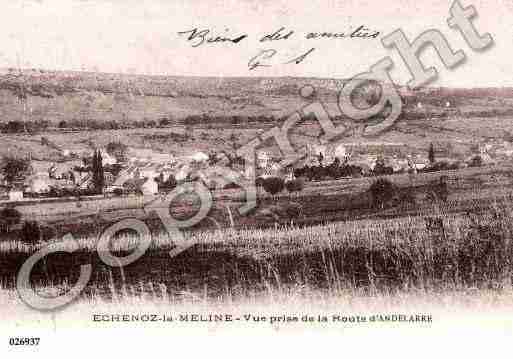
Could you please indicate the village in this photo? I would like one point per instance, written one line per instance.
(143, 171)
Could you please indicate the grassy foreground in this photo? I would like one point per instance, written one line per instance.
(444, 252)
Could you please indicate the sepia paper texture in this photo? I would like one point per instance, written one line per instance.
(184, 177)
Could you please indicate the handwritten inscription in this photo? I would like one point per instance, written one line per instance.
(264, 57)
(199, 37)
(359, 33)
(280, 34)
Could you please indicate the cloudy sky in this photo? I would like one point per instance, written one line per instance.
(141, 36)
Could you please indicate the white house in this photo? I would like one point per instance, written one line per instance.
(40, 183)
(108, 160)
(182, 172)
(150, 187)
(316, 149)
(199, 157)
(163, 158)
(420, 165)
(262, 159)
(340, 152)
(399, 164)
(149, 171)
(15, 195)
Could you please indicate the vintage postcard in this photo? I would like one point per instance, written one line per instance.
(196, 177)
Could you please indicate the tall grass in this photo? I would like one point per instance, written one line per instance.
(424, 254)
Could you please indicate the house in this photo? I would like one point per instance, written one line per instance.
(369, 161)
(109, 178)
(272, 170)
(15, 195)
(399, 164)
(140, 153)
(182, 172)
(40, 183)
(133, 185)
(340, 152)
(108, 160)
(316, 151)
(163, 158)
(86, 182)
(263, 159)
(125, 175)
(219, 177)
(145, 186)
(149, 171)
(289, 173)
(63, 170)
(199, 157)
(149, 186)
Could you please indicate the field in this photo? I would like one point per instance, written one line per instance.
(335, 245)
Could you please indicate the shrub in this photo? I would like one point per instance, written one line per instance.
(382, 170)
(15, 169)
(30, 232)
(10, 217)
(13, 127)
(383, 192)
(273, 185)
(259, 182)
(293, 210)
(438, 190)
(406, 198)
(118, 191)
(295, 185)
(476, 161)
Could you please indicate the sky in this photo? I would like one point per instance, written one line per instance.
(141, 36)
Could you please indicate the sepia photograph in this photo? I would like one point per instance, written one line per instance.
(282, 171)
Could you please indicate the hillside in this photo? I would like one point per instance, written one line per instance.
(91, 100)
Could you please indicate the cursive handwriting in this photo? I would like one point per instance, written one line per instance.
(277, 35)
(264, 56)
(255, 61)
(361, 33)
(300, 58)
(200, 37)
